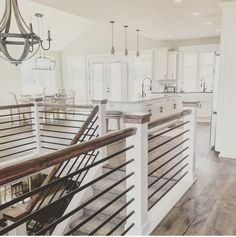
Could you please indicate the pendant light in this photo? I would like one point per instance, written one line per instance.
(126, 42)
(112, 37)
(137, 53)
(25, 39)
(42, 62)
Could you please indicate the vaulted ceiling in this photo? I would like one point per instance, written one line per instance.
(158, 19)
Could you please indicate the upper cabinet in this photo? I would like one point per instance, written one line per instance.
(165, 64)
(172, 65)
(161, 63)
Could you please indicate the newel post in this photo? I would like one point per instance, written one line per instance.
(140, 167)
(101, 120)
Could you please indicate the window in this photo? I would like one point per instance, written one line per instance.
(142, 68)
(190, 71)
(36, 81)
(198, 71)
(77, 77)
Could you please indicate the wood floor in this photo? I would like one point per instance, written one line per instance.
(209, 207)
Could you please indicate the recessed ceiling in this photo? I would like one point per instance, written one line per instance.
(158, 19)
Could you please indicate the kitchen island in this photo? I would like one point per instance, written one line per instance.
(159, 105)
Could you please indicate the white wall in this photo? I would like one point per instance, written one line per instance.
(9, 82)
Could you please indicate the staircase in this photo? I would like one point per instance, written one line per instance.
(99, 219)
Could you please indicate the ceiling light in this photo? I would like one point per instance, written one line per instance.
(26, 39)
(126, 41)
(209, 23)
(138, 53)
(112, 37)
(196, 14)
(178, 1)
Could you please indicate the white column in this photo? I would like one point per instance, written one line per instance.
(36, 127)
(226, 126)
(140, 167)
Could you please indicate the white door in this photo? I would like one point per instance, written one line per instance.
(116, 81)
(108, 78)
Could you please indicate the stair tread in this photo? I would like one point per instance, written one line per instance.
(94, 223)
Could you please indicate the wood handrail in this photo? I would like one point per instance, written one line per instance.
(18, 171)
(57, 167)
(169, 118)
(5, 107)
(66, 105)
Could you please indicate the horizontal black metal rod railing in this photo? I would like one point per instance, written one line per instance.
(57, 181)
(167, 131)
(59, 125)
(66, 120)
(32, 166)
(167, 141)
(167, 172)
(14, 147)
(18, 120)
(55, 143)
(169, 119)
(165, 163)
(19, 152)
(167, 152)
(22, 126)
(15, 114)
(67, 196)
(130, 227)
(15, 134)
(164, 184)
(168, 190)
(111, 217)
(70, 106)
(55, 137)
(18, 106)
(55, 131)
(19, 139)
(103, 208)
(65, 113)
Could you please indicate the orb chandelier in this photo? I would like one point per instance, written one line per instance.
(26, 40)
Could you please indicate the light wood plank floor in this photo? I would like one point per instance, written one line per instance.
(209, 207)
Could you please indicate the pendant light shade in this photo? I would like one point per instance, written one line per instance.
(24, 41)
(137, 53)
(126, 42)
(112, 37)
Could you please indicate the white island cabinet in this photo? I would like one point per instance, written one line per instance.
(159, 106)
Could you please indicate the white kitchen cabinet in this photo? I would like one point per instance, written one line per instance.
(161, 63)
(205, 111)
(172, 65)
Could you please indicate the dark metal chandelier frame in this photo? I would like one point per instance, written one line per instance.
(26, 37)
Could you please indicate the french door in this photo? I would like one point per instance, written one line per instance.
(107, 77)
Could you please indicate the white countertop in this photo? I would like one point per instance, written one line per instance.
(145, 99)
